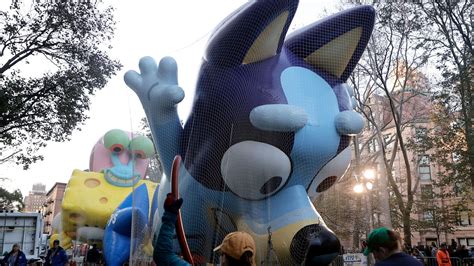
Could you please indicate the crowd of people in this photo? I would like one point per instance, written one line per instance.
(238, 248)
(385, 245)
(454, 250)
(56, 256)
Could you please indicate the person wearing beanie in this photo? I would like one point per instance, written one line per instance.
(237, 248)
(385, 244)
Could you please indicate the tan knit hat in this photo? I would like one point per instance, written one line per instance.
(235, 244)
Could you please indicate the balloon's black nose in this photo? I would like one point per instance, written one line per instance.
(314, 245)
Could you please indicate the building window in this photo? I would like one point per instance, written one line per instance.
(427, 216)
(426, 191)
(373, 145)
(420, 134)
(469, 241)
(464, 219)
(429, 241)
(456, 157)
(424, 170)
(457, 189)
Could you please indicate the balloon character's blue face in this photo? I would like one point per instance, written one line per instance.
(271, 112)
(269, 128)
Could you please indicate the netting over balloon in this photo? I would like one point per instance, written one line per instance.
(269, 130)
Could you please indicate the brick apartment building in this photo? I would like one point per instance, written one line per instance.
(352, 215)
(52, 206)
(416, 119)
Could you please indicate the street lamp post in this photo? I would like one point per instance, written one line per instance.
(364, 185)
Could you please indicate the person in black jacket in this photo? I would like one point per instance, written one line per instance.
(93, 255)
(15, 257)
(56, 255)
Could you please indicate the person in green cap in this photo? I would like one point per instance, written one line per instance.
(385, 244)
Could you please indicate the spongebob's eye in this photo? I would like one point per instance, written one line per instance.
(116, 140)
(142, 147)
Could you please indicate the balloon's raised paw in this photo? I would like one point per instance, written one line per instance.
(156, 85)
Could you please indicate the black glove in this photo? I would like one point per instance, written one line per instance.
(172, 205)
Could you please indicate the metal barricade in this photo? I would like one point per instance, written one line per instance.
(431, 261)
(339, 261)
(468, 261)
(426, 261)
(456, 261)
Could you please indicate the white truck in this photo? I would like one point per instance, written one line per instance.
(25, 229)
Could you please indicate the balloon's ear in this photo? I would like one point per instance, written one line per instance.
(335, 44)
(252, 33)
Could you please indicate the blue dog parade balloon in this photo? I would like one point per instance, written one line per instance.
(269, 129)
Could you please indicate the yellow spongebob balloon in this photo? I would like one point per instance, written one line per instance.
(118, 164)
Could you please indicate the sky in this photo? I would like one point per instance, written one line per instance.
(177, 28)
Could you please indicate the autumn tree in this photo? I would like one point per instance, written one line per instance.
(450, 194)
(438, 213)
(392, 95)
(451, 34)
(53, 57)
(449, 140)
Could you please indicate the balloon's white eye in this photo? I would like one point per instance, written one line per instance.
(255, 170)
(330, 173)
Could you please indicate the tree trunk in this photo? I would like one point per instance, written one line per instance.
(385, 220)
(357, 226)
(406, 228)
(470, 146)
(438, 240)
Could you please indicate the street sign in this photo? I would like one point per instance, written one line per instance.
(354, 259)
